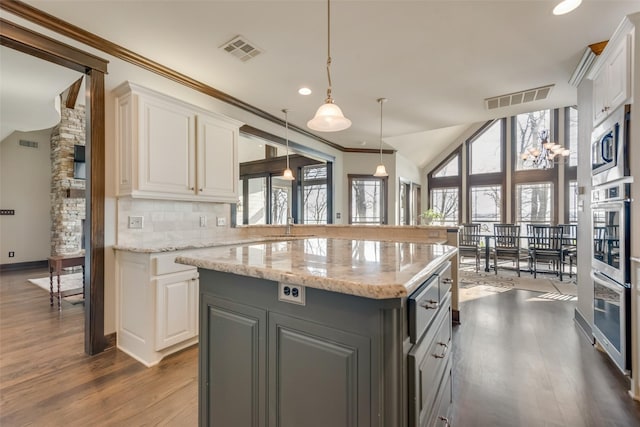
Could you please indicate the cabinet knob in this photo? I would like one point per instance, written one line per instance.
(200, 190)
(445, 420)
(191, 188)
(444, 352)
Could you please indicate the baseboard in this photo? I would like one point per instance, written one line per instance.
(584, 326)
(24, 265)
(110, 340)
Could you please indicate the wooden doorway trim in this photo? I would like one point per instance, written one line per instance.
(94, 68)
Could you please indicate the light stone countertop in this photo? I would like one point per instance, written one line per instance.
(366, 268)
(226, 241)
(635, 259)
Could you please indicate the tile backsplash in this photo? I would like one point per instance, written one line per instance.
(167, 222)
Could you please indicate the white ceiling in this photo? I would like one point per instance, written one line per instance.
(436, 61)
(29, 88)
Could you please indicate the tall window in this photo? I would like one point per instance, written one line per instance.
(367, 197)
(486, 150)
(573, 202)
(314, 194)
(486, 174)
(534, 203)
(256, 198)
(280, 199)
(571, 125)
(571, 169)
(486, 204)
(445, 186)
(527, 131)
(445, 202)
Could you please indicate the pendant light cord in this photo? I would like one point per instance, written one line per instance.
(286, 132)
(329, 100)
(381, 101)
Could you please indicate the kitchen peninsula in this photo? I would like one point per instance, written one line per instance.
(320, 331)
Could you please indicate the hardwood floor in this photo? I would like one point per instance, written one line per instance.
(519, 361)
(47, 380)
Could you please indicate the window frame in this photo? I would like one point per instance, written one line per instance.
(446, 181)
(570, 172)
(493, 178)
(384, 193)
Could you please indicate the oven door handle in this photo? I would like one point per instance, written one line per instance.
(605, 145)
(603, 280)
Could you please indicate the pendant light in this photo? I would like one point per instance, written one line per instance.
(329, 117)
(288, 174)
(380, 169)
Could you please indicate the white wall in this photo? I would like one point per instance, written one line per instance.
(25, 186)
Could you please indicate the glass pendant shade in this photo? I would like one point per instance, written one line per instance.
(288, 175)
(329, 118)
(566, 6)
(381, 171)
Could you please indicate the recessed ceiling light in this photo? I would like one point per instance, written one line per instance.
(304, 91)
(566, 6)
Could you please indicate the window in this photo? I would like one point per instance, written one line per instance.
(257, 200)
(404, 203)
(314, 194)
(445, 202)
(486, 203)
(450, 168)
(485, 153)
(573, 202)
(527, 128)
(572, 134)
(280, 199)
(367, 196)
(534, 203)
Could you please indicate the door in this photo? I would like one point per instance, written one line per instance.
(176, 309)
(217, 148)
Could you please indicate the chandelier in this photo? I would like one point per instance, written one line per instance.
(546, 155)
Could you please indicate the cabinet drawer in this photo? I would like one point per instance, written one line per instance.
(441, 410)
(423, 306)
(165, 264)
(445, 281)
(427, 362)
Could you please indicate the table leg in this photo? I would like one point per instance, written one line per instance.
(59, 298)
(486, 253)
(50, 286)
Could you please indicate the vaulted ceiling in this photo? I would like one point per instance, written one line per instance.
(436, 61)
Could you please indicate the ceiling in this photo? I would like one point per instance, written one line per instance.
(436, 61)
(29, 90)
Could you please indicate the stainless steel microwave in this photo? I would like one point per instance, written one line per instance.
(609, 148)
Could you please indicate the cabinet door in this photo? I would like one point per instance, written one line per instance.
(166, 147)
(217, 159)
(176, 309)
(318, 376)
(599, 97)
(618, 83)
(232, 364)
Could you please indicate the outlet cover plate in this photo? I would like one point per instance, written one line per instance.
(291, 293)
(136, 221)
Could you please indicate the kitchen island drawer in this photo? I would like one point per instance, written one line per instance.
(441, 411)
(427, 363)
(423, 306)
(445, 281)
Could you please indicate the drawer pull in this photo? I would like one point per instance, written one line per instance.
(444, 352)
(447, 280)
(429, 304)
(445, 420)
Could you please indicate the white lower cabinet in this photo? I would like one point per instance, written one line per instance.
(157, 310)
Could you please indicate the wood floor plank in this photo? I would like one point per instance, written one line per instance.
(519, 361)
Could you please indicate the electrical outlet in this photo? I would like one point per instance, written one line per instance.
(221, 221)
(11, 254)
(291, 293)
(203, 221)
(136, 221)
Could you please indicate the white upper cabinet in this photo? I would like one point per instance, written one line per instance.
(612, 79)
(168, 149)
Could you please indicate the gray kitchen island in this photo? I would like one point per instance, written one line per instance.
(325, 332)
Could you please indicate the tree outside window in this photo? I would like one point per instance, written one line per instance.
(444, 201)
(535, 203)
(486, 150)
(486, 204)
(366, 200)
(314, 194)
(527, 133)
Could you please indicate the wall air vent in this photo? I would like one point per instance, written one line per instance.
(30, 144)
(516, 98)
(241, 48)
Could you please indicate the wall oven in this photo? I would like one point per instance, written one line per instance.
(609, 148)
(610, 209)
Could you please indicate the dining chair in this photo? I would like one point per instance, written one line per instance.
(570, 245)
(599, 242)
(507, 245)
(469, 242)
(547, 247)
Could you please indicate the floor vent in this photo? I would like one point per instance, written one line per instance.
(516, 98)
(241, 48)
(30, 144)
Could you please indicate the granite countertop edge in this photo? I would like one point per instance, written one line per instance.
(345, 286)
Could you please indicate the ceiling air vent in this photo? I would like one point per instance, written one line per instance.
(516, 98)
(30, 144)
(241, 48)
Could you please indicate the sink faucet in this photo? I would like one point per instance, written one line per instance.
(289, 224)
